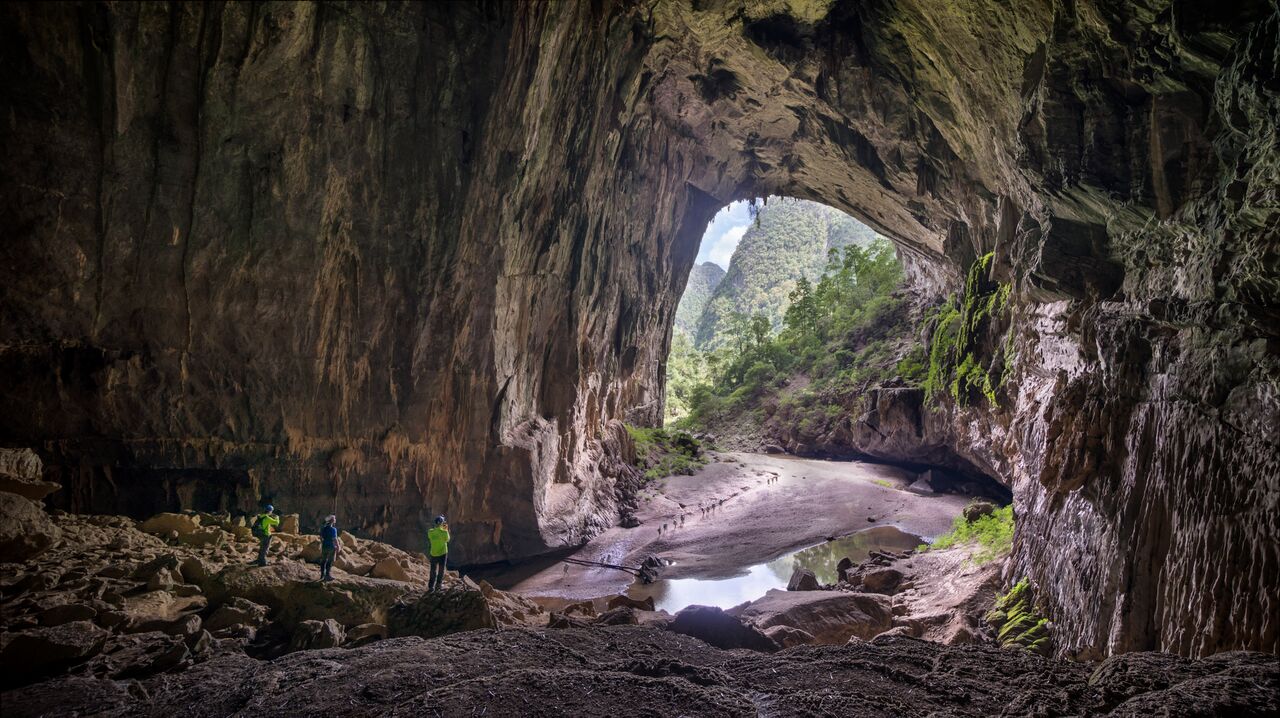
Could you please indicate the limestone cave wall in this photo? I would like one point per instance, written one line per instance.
(397, 260)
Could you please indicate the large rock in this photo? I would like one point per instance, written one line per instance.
(235, 612)
(38, 652)
(802, 579)
(720, 629)
(140, 655)
(291, 590)
(150, 610)
(25, 529)
(429, 614)
(390, 568)
(164, 523)
(881, 580)
(310, 635)
(830, 617)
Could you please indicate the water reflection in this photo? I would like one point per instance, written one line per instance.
(675, 594)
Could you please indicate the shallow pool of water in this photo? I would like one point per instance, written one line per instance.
(675, 594)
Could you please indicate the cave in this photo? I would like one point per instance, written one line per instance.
(403, 260)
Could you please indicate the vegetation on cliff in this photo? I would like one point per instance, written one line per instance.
(1017, 622)
(955, 366)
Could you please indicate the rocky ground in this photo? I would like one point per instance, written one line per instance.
(116, 598)
(642, 671)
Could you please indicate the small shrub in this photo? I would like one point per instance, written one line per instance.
(662, 452)
(992, 535)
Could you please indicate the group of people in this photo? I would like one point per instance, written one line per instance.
(267, 522)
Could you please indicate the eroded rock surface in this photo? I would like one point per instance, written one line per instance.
(412, 259)
(618, 671)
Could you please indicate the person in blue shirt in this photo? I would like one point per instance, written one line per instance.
(329, 546)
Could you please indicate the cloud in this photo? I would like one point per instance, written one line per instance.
(723, 234)
(721, 250)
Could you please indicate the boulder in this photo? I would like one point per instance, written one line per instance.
(34, 490)
(291, 589)
(22, 473)
(802, 579)
(140, 655)
(843, 566)
(720, 629)
(645, 604)
(289, 524)
(156, 608)
(786, 636)
(390, 568)
(353, 563)
(977, 509)
(34, 653)
(310, 635)
(581, 608)
(187, 625)
(211, 536)
(366, 633)
(237, 612)
(431, 614)
(25, 529)
(195, 570)
(162, 524)
(66, 613)
(774, 449)
(620, 616)
(560, 620)
(881, 580)
(21, 464)
(831, 617)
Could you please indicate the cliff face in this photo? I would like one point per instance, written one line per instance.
(401, 260)
(703, 280)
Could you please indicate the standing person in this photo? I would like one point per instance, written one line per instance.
(263, 527)
(438, 537)
(329, 546)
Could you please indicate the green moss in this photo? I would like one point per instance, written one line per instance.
(1016, 621)
(991, 535)
(955, 367)
(883, 482)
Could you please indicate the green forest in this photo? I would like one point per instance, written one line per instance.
(845, 330)
(788, 242)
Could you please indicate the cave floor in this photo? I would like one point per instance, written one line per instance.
(739, 511)
(642, 671)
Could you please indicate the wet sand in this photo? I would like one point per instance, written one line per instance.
(742, 510)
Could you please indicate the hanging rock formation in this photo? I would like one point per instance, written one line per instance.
(401, 260)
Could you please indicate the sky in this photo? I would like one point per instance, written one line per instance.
(724, 233)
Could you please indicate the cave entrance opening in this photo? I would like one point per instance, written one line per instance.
(791, 307)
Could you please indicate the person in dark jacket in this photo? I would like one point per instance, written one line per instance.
(329, 546)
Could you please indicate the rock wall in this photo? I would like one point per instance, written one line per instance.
(403, 260)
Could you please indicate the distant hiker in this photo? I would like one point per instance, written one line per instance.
(329, 546)
(438, 537)
(263, 527)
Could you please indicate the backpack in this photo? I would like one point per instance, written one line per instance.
(258, 530)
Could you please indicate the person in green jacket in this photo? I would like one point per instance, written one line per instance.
(263, 527)
(438, 537)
